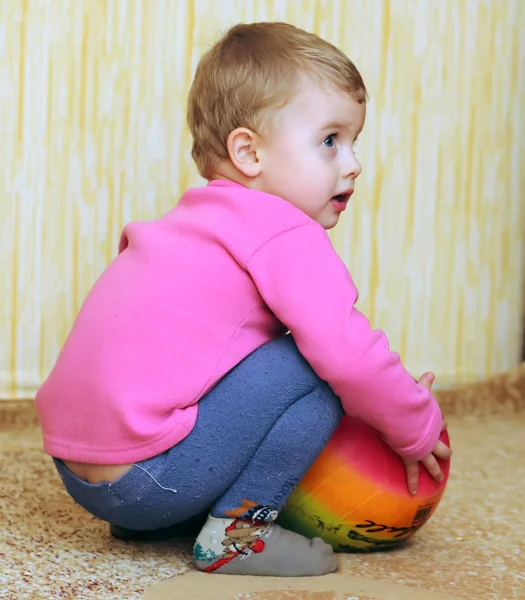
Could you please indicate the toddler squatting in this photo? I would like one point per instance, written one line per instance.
(213, 359)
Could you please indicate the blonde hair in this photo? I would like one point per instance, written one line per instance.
(252, 68)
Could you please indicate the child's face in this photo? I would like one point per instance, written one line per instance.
(307, 157)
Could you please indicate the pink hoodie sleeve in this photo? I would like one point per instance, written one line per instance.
(309, 289)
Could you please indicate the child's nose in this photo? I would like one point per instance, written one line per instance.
(352, 168)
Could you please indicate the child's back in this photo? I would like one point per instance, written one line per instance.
(174, 312)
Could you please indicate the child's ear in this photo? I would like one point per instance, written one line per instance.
(242, 149)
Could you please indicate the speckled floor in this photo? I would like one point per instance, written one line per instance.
(473, 547)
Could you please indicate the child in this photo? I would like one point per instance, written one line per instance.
(213, 359)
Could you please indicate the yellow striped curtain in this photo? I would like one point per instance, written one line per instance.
(92, 135)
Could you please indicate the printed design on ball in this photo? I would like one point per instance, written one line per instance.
(328, 527)
(420, 518)
(422, 515)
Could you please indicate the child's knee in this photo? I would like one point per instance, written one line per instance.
(334, 409)
(320, 411)
(292, 365)
(331, 416)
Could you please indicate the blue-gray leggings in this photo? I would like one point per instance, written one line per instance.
(257, 433)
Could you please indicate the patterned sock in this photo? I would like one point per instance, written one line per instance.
(254, 545)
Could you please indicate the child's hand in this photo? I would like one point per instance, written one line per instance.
(430, 463)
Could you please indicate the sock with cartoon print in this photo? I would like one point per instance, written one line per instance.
(252, 544)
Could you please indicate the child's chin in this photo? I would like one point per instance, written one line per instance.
(330, 223)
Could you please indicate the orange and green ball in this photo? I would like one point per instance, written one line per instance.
(355, 495)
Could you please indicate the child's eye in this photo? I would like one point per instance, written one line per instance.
(329, 141)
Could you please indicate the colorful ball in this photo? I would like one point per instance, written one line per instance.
(355, 495)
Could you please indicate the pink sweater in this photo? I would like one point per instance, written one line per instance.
(192, 294)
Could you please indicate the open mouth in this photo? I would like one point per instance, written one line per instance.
(341, 198)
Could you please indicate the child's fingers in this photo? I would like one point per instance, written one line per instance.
(427, 379)
(432, 466)
(442, 451)
(412, 471)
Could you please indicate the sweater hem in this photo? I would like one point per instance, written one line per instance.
(108, 456)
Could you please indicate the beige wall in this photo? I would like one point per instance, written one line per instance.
(92, 135)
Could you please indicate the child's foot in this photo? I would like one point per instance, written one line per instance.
(242, 547)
